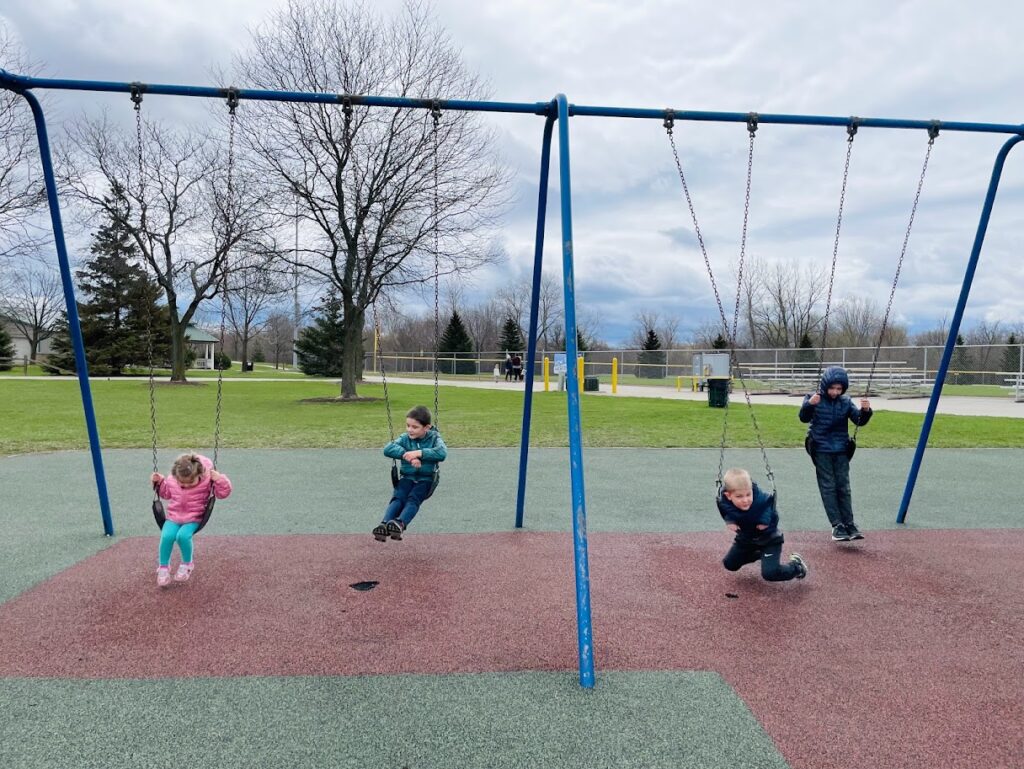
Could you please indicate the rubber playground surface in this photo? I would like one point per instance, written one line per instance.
(900, 651)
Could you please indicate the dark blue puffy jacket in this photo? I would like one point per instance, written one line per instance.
(762, 511)
(829, 429)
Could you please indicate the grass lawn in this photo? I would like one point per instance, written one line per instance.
(46, 415)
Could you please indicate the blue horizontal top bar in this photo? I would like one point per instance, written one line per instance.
(743, 117)
(20, 82)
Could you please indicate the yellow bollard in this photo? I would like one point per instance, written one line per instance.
(547, 373)
(679, 383)
(579, 373)
(615, 375)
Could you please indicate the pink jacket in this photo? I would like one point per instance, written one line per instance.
(187, 505)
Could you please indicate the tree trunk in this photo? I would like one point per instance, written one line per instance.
(245, 350)
(352, 351)
(177, 347)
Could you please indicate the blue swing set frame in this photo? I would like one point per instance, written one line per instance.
(557, 110)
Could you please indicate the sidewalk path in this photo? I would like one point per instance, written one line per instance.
(962, 405)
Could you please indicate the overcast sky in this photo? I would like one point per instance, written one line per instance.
(633, 239)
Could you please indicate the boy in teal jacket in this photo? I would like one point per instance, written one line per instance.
(421, 449)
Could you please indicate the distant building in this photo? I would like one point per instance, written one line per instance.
(22, 348)
(204, 345)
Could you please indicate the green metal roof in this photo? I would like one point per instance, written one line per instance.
(194, 334)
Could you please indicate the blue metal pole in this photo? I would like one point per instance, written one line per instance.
(954, 328)
(22, 82)
(579, 501)
(538, 260)
(72, 306)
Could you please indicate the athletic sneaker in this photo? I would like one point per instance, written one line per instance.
(853, 532)
(380, 532)
(840, 534)
(801, 568)
(163, 576)
(184, 572)
(395, 529)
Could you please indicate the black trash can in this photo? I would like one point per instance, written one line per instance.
(591, 384)
(718, 392)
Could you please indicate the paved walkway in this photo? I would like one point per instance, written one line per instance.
(962, 405)
(950, 404)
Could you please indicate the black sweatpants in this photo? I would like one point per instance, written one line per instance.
(769, 556)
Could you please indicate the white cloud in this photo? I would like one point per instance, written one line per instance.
(633, 238)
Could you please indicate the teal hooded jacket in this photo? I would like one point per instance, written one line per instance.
(432, 446)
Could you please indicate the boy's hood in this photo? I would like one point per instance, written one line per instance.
(834, 375)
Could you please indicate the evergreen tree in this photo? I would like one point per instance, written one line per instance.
(511, 336)
(120, 310)
(1011, 355)
(6, 349)
(652, 357)
(960, 363)
(805, 350)
(319, 346)
(720, 343)
(455, 343)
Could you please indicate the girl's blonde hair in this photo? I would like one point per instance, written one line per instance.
(735, 479)
(187, 468)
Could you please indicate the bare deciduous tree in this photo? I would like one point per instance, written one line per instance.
(369, 191)
(253, 285)
(32, 299)
(783, 302)
(645, 321)
(22, 194)
(278, 335)
(514, 302)
(178, 215)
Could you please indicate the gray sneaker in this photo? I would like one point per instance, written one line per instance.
(395, 529)
(852, 532)
(840, 534)
(797, 561)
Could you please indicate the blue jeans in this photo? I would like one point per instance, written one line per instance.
(405, 502)
(176, 532)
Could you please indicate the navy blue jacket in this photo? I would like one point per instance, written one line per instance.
(829, 418)
(762, 511)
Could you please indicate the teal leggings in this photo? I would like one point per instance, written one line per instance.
(176, 532)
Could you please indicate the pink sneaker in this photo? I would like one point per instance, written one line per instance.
(163, 576)
(184, 572)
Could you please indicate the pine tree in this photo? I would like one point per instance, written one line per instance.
(805, 350)
(319, 346)
(960, 363)
(511, 336)
(120, 310)
(6, 349)
(652, 357)
(454, 341)
(720, 343)
(1011, 355)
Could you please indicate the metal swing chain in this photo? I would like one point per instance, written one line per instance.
(232, 99)
(933, 133)
(851, 132)
(751, 129)
(136, 96)
(435, 114)
(730, 333)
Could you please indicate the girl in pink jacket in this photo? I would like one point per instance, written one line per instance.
(187, 488)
